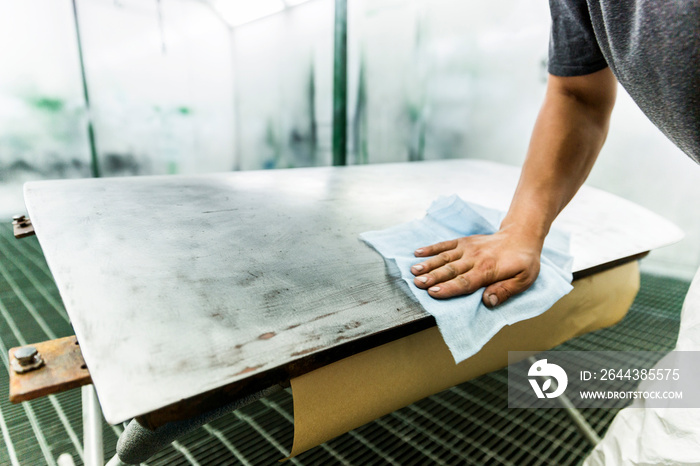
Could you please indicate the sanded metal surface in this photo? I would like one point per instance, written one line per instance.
(469, 424)
(64, 369)
(179, 285)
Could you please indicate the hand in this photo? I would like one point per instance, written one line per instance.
(505, 263)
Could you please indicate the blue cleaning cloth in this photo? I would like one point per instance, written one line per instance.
(465, 323)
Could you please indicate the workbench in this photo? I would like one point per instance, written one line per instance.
(187, 293)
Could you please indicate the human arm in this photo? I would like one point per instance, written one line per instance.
(568, 135)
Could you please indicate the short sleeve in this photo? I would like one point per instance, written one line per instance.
(573, 48)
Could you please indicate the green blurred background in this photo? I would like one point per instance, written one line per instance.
(193, 86)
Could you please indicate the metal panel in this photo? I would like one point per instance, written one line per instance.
(179, 285)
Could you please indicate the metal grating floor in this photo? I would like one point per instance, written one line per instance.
(467, 424)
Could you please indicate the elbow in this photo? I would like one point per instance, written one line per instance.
(593, 94)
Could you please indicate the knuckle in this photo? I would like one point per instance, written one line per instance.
(527, 277)
(445, 257)
(524, 276)
(428, 266)
(463, 282)
(504, 292)
(488, 268)
(487, 263)
(450, 269)
(463, 242)
(528, 283)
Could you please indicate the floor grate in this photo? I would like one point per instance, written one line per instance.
(467, 424)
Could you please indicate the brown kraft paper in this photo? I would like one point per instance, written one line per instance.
(344, 395)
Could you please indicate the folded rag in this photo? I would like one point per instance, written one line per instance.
(465, 323)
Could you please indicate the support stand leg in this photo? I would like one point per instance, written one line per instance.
(92, 428)
(583, 426)
(137, 443)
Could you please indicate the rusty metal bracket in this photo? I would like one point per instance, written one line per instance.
(63, 369)
(22, 226)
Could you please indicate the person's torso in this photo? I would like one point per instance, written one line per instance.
(653, 48)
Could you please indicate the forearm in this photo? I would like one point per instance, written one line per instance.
(568, 135)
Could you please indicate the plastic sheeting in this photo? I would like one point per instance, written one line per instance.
(657, 436)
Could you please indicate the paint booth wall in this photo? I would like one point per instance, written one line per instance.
(434, 79)
(283, 88)
(173, 90)
(159, 82)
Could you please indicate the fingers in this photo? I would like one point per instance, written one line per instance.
(434, 262)
(445, 273)
(505, 265)
(462, 284)
(435, 248)
(500, 292)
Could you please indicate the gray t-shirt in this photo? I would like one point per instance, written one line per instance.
(652, 47)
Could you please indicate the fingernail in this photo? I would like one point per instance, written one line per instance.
(434, 289)
(418, 267)
(493, 299)
(419, 251)
(422, 279)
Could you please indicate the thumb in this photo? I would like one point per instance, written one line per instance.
(499, 292)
